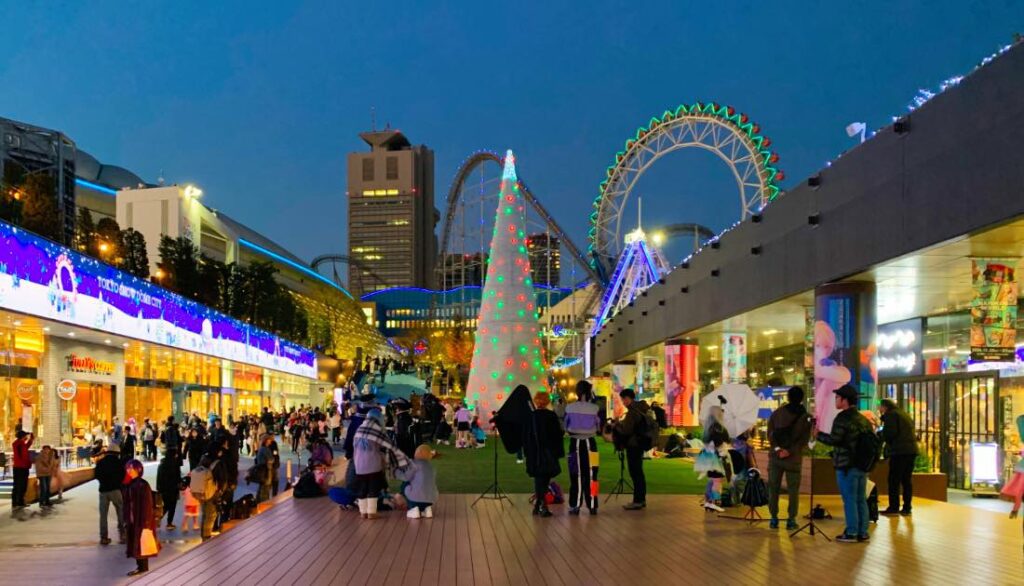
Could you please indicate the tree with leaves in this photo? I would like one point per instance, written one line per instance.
(179, 263)
(85, 232)
(134, 258)
(108, 241)
(40, 212)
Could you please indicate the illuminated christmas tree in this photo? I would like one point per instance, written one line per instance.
(508, 350)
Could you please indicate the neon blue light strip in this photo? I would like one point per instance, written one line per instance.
(96, 186)
(650, 261)
(294, 265)
(610, 293)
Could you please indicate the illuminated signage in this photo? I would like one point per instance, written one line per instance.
(66, 389)
(26, 391)
(44, 279)
(899, 348)
(89, 365)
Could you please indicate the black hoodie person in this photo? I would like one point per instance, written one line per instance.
(789, 429)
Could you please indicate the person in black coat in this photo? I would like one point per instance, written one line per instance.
(195, 447)
(168, 484)
(901, 449)
(407, 435)
(543, 447)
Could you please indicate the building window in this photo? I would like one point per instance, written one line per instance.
(392, 168)
(367, 169)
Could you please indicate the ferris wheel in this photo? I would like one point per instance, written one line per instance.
(719, 129)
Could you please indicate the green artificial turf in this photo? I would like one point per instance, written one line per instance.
(471, 471)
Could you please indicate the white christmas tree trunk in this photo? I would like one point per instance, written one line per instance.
(508, 351)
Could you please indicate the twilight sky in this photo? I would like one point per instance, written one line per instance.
(258, 102)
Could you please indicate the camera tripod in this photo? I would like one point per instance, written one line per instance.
(810, 526)
(494, 491)
(622, 486)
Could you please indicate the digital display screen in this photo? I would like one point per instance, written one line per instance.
(44, 279)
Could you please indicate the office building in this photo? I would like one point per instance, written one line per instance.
(31, 150)
(391, 215)
(545, 259)
(463, 269)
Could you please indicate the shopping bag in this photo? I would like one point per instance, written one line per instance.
(147, 544)
(593, 488)
(594, 459)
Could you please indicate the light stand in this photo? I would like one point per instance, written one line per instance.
(623, 485)
(494, 491)
(810, 526)
(752, 515)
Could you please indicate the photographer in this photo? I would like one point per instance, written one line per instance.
(634, 437)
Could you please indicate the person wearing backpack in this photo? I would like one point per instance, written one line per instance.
(789, 429)
(635, 432)
(206, 482)
(852, 441)
(901, 449)
(148, 436)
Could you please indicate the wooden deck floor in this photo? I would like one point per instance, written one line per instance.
(672, 542)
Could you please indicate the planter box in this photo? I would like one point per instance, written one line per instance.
(75, 477)
(926, 485)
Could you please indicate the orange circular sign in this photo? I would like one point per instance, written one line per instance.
(26, 390)
(66, 389)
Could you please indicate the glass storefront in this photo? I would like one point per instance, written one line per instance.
(20, 399)
(88, 414)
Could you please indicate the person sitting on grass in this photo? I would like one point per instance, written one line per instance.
(420, 484)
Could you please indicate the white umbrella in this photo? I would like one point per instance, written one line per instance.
(738, 403)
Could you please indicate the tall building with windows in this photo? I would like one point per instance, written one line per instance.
(391, 215)
(545, 259)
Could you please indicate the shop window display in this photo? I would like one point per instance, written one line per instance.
(19, 394)
(87, 415)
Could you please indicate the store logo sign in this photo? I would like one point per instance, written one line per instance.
(89, 365)
(66, 389)
(899, 348)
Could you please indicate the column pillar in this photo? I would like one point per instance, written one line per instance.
(845, 325)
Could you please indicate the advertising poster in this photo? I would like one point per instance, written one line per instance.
(844, 349)
(682, 384)
(673, 384)
(603, 391)
(623, 376)
(994, 309)
(734, 357)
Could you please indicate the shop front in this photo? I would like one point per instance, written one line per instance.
(83, 389)
(20, 387)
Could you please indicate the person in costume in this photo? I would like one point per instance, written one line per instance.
(583, 422)
(709, 461)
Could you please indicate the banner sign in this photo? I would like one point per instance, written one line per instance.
(47, 280)
(994, 309)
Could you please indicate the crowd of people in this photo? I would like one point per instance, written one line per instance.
(199, 458)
